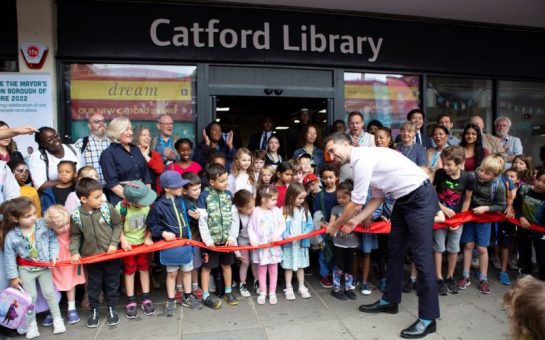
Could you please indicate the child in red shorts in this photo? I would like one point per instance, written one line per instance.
(134, 210)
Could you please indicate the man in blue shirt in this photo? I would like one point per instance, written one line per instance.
(511, 144)
(164, 144)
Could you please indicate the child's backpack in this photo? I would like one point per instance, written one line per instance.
(494, 189)
(14, 304)
(104, 212)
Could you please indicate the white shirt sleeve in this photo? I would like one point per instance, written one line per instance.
(363, 171)
(11, 188)
(36, 166)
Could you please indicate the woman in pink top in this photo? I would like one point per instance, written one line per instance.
(185, 148)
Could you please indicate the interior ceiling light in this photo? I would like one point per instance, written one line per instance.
(222, 109)
(281, 127)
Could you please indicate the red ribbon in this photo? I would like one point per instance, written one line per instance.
(381, 227)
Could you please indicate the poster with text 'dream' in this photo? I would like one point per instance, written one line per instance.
(139, 93)
(25, 99)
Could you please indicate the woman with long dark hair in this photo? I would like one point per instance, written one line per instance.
(472, 142)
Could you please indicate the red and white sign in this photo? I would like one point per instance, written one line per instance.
(34, 54)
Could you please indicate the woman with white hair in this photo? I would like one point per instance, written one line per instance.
(408, 146)
(122, 161)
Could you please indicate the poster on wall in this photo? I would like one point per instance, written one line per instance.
(386, 98)
(143, 93)
(25, 98)
(136, 92)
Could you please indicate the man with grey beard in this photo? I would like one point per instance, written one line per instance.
(91, 146)
(511, 144)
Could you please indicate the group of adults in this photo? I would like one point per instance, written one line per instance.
(425, 150)
(120, 155)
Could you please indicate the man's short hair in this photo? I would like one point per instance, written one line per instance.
(443, 115)
(86, 186)
(215, 170)
(454, 153)
(337, 137)
(355, 113)
(413, 111)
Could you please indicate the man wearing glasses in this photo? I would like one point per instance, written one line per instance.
(91, 146)
(164, 144)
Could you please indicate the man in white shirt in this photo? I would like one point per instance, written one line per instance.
(511, 144)
(357, 135)
(385, 171)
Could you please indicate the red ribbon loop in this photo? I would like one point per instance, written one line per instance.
(380, 227)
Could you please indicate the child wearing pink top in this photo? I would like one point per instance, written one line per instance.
(65, 278)
(184, 147)
(266, 225)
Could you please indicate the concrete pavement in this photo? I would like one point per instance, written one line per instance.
(468, 315)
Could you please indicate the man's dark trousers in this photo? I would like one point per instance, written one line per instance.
(412, 223)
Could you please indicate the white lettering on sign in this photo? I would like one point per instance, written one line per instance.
(306, 39)
(198, 36)
(332, 43)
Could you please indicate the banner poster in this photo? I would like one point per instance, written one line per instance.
(137, 92)
(140, 92)
(387, 100)
(25, 99)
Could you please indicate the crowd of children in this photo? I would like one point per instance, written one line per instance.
(261, 199)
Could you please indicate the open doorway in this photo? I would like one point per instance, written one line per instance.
(245, 115)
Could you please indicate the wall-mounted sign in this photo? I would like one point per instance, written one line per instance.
(181, 32)
(34, 54)
(25, 98)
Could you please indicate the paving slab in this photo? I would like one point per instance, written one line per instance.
(231, 334)
(468, 315)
